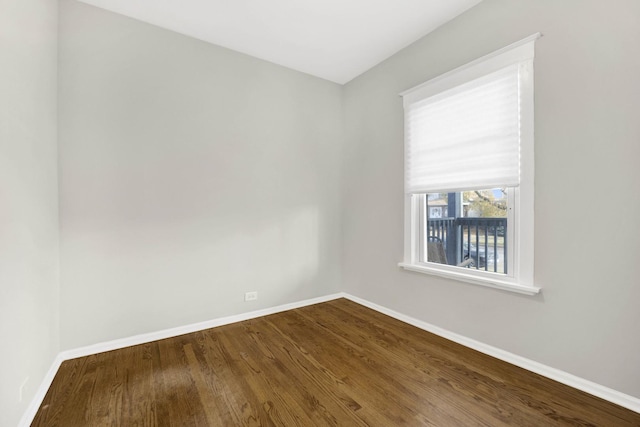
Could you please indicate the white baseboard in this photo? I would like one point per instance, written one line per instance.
(614, 396)
(187, 329)
(590, 387)
(41, 392)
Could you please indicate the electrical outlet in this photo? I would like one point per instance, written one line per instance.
(251, 296)
(21, 392)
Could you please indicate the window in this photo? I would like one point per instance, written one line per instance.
(469, 172)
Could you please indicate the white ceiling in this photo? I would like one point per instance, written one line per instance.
(333, 39)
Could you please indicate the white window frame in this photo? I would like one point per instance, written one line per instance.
(520, 214)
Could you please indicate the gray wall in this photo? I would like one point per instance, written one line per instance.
(587, 234)
(189, 174)
(28, 201)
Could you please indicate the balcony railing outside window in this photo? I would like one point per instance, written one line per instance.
(481, 239)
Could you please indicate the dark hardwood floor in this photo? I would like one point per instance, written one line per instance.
(335, 363)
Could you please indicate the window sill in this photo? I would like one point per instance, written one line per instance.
(473, 279)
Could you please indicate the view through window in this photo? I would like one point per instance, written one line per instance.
(468, 229)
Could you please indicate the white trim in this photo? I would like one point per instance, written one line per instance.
(187, 329)
(511, 54)
(41, 392)
(627, 401)
(523, 258)
(624, 400)
(34, 405)
(474, 277)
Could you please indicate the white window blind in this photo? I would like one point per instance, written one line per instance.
(463, 133)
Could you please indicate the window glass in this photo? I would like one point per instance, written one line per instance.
(468, 229)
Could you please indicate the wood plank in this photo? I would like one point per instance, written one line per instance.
(335, 363)
(536, 392)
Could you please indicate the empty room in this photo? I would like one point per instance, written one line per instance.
(295, 212)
